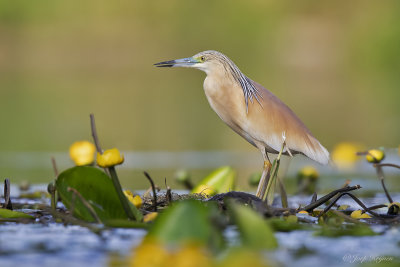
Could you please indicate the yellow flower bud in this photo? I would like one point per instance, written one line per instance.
(135, 200)
(109, 158)
(375, 156)
(204, 189)
(394, 208)
(82, 153)
(149, 217)
(358, 214)
(303, 212)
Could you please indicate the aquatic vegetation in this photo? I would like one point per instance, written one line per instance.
(187, 228)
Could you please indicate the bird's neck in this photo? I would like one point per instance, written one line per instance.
(217, 84)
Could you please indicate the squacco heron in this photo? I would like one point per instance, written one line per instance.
(252, 111)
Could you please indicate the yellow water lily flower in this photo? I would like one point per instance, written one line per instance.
(153, 253)
(135, 200)
(309, 172)
(344, 155)
(109, 158)
(358, 214)
(82, 153)
(375, 155)
(149, 217)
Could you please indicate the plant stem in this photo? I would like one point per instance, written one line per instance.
(121, 195)
(94, 134)
(387, 165)
(284, 198)
(154, 190)
(381, 176)
(269, 194)
(86, 204)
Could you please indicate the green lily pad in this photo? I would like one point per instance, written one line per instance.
(12, 214)
(345, 230)
(187, 221)
(282, 225)
(96, 188)
(254, 230)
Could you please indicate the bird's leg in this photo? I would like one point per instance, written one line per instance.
(266, 174)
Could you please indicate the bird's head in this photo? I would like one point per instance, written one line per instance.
(206, 61)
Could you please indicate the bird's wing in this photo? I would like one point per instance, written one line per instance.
(270, 118)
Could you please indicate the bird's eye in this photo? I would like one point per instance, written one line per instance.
(203, 58)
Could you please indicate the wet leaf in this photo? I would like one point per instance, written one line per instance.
(358, 214)
(96, 188)
(282, 225)
(239, 257)
(12, 214)
(187, 222)
(221, 180)
(343, 207)
(122, 223)
(254, 230)
(331, 219)
(345, 230)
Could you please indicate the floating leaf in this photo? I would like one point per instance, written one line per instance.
(345, 230)
(97, 189)
(187, 221)
(283, 225)
(221, 180)
(237, 257)
(254, 230)
(343, 207)
(12, 214)
(358, 214)
(122, 223)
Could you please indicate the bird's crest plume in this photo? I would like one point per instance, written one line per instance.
(249, 90)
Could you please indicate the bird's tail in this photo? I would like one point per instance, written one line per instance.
(315, 151)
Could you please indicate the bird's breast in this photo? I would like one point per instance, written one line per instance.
(227, 100)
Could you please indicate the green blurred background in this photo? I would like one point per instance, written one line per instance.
(335, 63)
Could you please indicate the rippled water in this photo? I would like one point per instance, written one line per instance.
(53, 244)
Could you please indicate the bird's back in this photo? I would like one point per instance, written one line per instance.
(264, 121)
(271, 117)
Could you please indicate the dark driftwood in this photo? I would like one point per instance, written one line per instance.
(322, 200)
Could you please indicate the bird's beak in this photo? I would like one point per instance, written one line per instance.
(183, 62)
